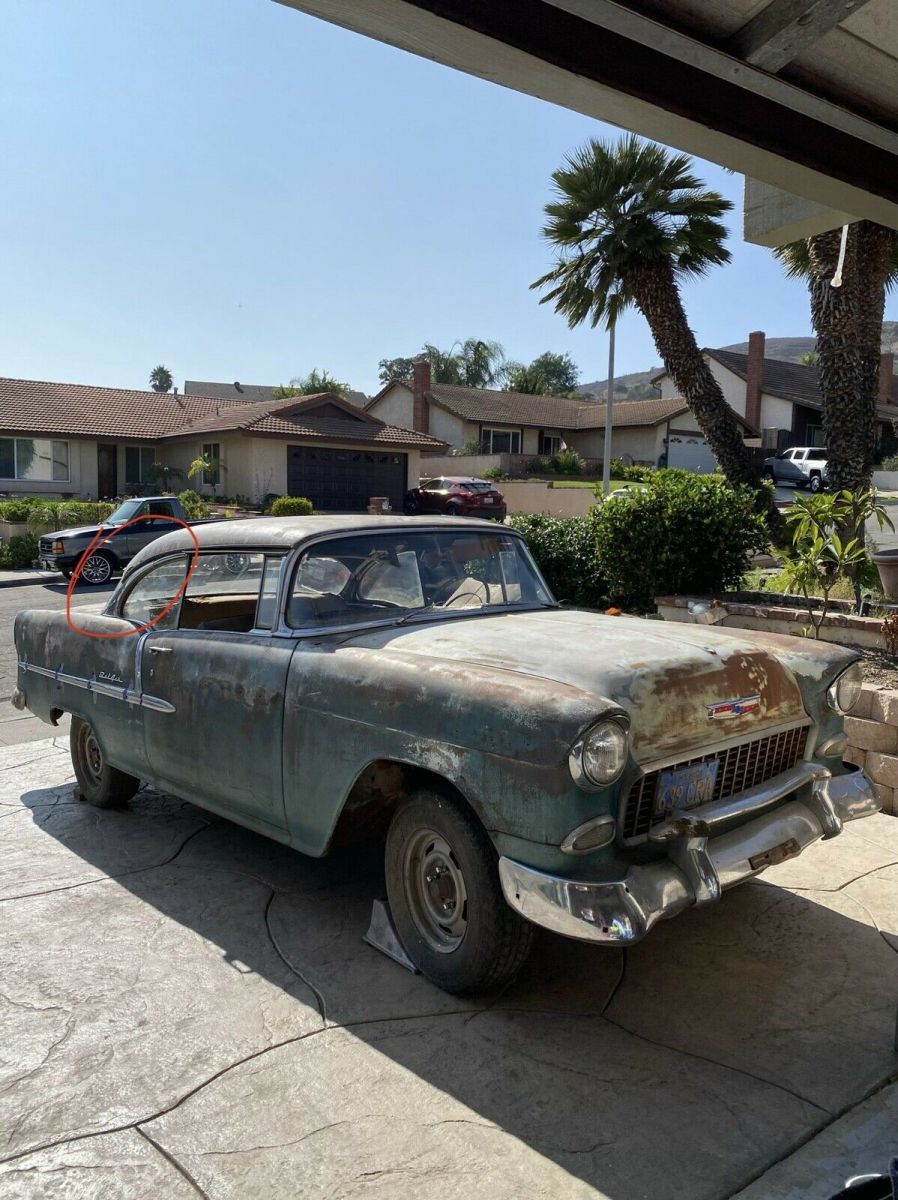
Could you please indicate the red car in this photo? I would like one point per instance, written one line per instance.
(457, 496)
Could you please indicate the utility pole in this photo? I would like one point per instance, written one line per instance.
(606, 463)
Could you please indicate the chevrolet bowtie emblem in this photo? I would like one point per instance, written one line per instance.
(725, 710)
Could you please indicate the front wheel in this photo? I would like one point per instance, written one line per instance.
(443, 886)
(769, 474)
(101, 784)
(97, 570)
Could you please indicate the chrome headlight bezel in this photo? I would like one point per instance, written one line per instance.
(844, 692)
(619, 727)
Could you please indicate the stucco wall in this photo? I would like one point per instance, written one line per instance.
(443, 425)
(395, 407)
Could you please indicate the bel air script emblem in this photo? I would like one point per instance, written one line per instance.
(725, 710)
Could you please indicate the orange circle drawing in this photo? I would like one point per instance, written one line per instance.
(100, 540)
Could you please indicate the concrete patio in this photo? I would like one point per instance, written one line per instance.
(189, 1009)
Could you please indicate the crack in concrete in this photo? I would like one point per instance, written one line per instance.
(279, 1145)
(68, 887)
(841, 887)
(170, 1158)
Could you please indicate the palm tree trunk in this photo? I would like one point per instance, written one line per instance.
(658, 299)
(848, 324)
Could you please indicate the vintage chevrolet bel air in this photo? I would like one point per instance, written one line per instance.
(414, 680)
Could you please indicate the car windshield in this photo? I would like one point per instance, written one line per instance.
(362, 578)
(124, 512)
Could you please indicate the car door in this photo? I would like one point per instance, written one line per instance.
(224, 676)
(428, 495)
(153, 523)
(786, 469)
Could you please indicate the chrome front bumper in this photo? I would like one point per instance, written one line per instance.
(698, 866)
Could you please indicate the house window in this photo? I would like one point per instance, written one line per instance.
(212, 453)
(34, 458)
(502, 441)
(549, 443)
(139, 463)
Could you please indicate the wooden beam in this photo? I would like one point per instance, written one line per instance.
(782, 30)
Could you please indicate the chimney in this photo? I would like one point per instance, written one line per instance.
(420, 387)
(886, 379)
(754, 378)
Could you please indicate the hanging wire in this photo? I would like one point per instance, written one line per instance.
(836, 280)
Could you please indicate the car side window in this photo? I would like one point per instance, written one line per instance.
(223, 592)
(153, 593)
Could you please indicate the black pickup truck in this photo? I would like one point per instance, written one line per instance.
(61, 551)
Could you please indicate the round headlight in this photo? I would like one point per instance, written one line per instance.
(844, 692)
(600, 755)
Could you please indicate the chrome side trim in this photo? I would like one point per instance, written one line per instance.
(124, 693)
(695, 871)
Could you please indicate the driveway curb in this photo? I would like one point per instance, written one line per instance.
(26, 578)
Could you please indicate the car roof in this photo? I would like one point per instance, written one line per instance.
(283, 533)
(460, 478)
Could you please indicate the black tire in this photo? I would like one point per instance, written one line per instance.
(438, 855)
(452, 510)
(237, 564)
(410, 506)
(98, 569)
(66, 572)
(769, 474)
(101, 785)
(815, 483)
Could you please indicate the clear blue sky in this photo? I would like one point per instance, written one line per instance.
(243, 192)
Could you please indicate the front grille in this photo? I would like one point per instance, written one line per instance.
(741, 767)
(46, 545)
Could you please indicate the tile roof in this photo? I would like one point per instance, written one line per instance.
(247, 393)
(77, 410)
(788, 380)
(549, 412)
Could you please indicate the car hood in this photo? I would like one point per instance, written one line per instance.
(665, 675)
(79, 531)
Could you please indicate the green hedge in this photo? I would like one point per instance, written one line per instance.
(565, 552)
(18, 552)
(61, 514)
(680, 533)
(14, 510)
(291, 506)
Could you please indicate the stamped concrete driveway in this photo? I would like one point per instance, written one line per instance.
(189, 1010)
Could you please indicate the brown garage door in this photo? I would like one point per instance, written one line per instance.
(345, 480)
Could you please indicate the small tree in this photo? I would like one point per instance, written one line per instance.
(163, 474)
(821, 554)
(161, 379)
(311, 385)
(204, 465)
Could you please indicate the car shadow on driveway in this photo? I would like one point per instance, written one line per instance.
(174, 970)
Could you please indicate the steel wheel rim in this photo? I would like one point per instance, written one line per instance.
(435, 891)
(91, 755)
(97, 569)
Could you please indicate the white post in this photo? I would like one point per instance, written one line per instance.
(606, 462)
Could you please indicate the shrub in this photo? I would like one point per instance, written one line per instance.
(493, 473)
(539, 466)
(55, 514)
(682, 532)
(565, 552)
(470, 448)
(626, 474)
(195, 507)
(14, 510)
(291, 506)
(567, 462)
(889, 464)
(18, 552)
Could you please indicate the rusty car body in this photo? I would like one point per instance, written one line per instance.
(415, 678)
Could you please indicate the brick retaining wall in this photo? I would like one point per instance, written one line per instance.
(872, 732)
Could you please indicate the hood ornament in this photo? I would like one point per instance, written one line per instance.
(726, 710)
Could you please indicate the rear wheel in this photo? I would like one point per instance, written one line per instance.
(446, 900)
(97, 570)
(769, 474)
(453, 510)
(101, 785)
(816, 484)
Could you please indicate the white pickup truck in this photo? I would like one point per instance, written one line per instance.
(803, 466)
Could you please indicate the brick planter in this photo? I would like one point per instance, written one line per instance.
(777, 614)
(872, 732)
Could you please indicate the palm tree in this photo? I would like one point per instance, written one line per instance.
(848, 323)
(630, 223)
(161, 379)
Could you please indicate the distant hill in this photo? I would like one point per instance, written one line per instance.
(637, 386)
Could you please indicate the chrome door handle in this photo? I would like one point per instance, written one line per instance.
(159, 649)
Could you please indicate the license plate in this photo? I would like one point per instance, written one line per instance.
(488, 500)
(686, 787)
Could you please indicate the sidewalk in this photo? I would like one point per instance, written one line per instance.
(28, 576)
